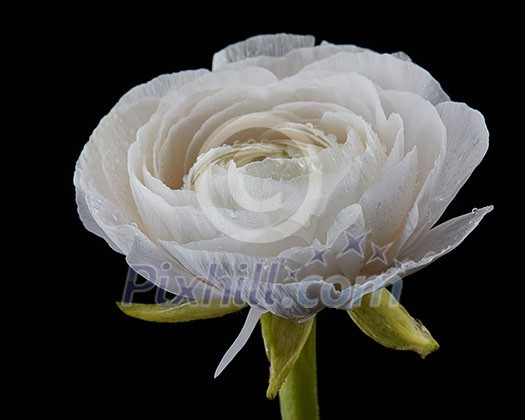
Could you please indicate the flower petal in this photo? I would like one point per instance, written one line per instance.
(444, 237)
(166, 272)
(386, 71)
(337, 48)
(178, 128)
(252, 249)
(163, 221)
(251, 322)
(262, 45)
(438, 242)
(88, 220)
(259, 281)
(229, 270)
(467, 143)
(103, 218)
(159, 86)
(291, 62)
(335, 259)
(226, 106)
(387, 202)
(423, 127)
(350, 89)
(402, 56)
(309, 111)
(363, 168)
(101, 178)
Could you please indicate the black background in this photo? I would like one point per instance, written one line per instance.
(103, 361)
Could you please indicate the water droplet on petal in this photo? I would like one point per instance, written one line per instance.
(474, 210)
(234, 214)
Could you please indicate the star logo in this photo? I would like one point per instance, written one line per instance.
(378, 253)
(318, 255)
(354, 244)
(292, 274)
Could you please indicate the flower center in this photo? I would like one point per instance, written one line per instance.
(262, 177)
(289, 140)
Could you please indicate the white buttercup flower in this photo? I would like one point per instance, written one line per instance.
(294, 177)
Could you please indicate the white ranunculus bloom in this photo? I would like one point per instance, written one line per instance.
(286, 169)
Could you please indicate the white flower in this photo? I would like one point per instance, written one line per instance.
(286, 169)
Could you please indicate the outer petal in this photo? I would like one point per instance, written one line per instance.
(302, 299)
(159, 86)
(438, 242)
(261, 282)
(282, 65)
(294, 61)
(262, 45)
(386, 71)
(467, 143)
(101, 181)
(101, 217)
(445, 237)
(227, 270)
(164, 271)
(335, 258)
(103, 192)
(424, 129)
(87, 218)
(284, 284)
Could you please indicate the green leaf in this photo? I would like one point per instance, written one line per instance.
(284, 340)
(380, 316)
(188, 311)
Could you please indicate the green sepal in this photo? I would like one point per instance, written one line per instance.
(380, 316)
(284, 340)
(188, 311)
(298, 395)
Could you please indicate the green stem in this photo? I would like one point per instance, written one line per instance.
(298, 395)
